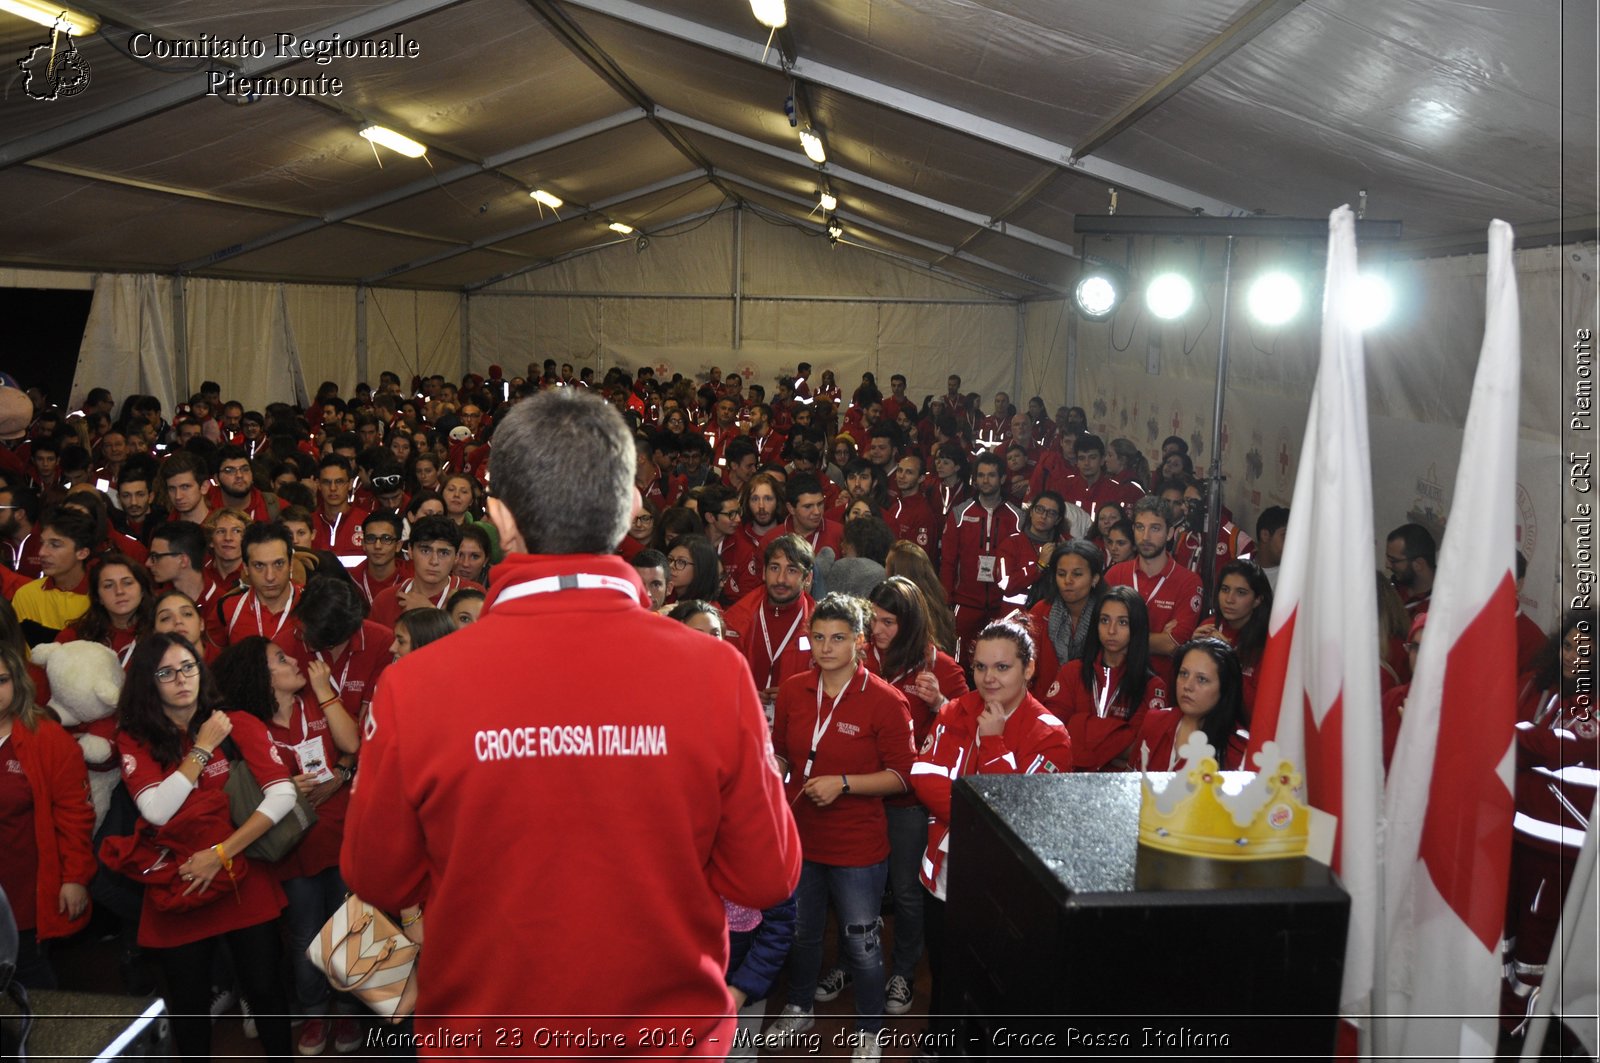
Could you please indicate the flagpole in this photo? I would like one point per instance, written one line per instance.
(1208, 540)
(1578, 894)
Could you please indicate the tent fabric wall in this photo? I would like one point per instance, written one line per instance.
(410, 332)
(800, 299)
(238, 336)
(322, 320)
(127, 341)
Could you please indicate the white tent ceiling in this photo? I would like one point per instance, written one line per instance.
(964, 134)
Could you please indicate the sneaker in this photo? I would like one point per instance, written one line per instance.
(868, 1046)
(897, 996)
(313, 1038)
(790, 1023)
(346, 1034)
(249, 1020)
(221, 1000)
(832, 984)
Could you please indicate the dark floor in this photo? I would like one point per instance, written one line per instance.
(89, 963)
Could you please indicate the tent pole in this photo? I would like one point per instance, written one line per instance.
(180, 339)
(361, 333)
(738, 275)
(1016, 368)
(466, 335)
(1208, 540)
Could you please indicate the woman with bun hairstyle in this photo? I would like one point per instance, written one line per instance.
(1105, 695)
(177, 745)
(46, 820)
(1208, 693)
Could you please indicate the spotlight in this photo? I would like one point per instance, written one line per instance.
(828, 202)
(1169, 296)
(835, 230)
(1374, 301)
(1275, 298)
(1098, 294)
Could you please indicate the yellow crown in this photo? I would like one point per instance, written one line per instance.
(1195, 816)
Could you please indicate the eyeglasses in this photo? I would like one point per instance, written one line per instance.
(676, 563)
(1047, 511)
(170, 675)
(382, 540)
(643, 518)
(729, 516)
(162, 553)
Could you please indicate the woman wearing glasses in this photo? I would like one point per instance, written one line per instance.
(693, 571)
(176, 744)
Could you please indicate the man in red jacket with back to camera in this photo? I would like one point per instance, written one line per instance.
(570, 832)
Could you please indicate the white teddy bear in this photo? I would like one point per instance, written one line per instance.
(85, 682)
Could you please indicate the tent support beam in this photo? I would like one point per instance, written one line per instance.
(346, 214)
(478, 287)
(868, 223)
(738, 275)
(971, 217)
(180, 339)
(886, 95)
(361, 333)
(487, 242)
(609, 71)
(874, 300)
(1238, 33)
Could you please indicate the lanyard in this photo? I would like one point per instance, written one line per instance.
(586, 581)
(333, 535)
(1153, 591)
(17, 552)
(338, 688)
(126, 652)
(821, 727)
(450, 586)
(774, 654)
(1103, 695)
(255, 603)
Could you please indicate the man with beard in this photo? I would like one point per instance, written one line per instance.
(19, 510)
(807, 519)
(1171, 592)
(769, 443)
(236, 487)
(910, 513)
(1412, 557)
(769, 624)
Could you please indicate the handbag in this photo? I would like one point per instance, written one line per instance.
(364, 953)
(244, 797)
(152, 855)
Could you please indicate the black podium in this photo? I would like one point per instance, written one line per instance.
(1066, 938)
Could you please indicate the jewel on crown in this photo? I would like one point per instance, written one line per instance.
(1200, 812)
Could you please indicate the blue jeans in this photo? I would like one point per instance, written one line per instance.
(312, 901)
(857, 897)
(908, 840)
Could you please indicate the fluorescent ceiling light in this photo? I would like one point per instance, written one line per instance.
(73, 23)
(394, 141)
(618, 227)
(771, 13)
(829, 202)
(812, 143)
(553, 202)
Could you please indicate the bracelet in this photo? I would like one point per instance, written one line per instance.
(200, 756)
(330, 701)
(227, 861)
(412, 921)
(846, 780)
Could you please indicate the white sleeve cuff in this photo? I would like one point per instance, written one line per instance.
(277, 800)
(161, 802)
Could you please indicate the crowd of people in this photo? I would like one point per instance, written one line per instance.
(916, 591)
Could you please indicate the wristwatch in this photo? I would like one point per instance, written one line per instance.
(846, 780)
(345, 773)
